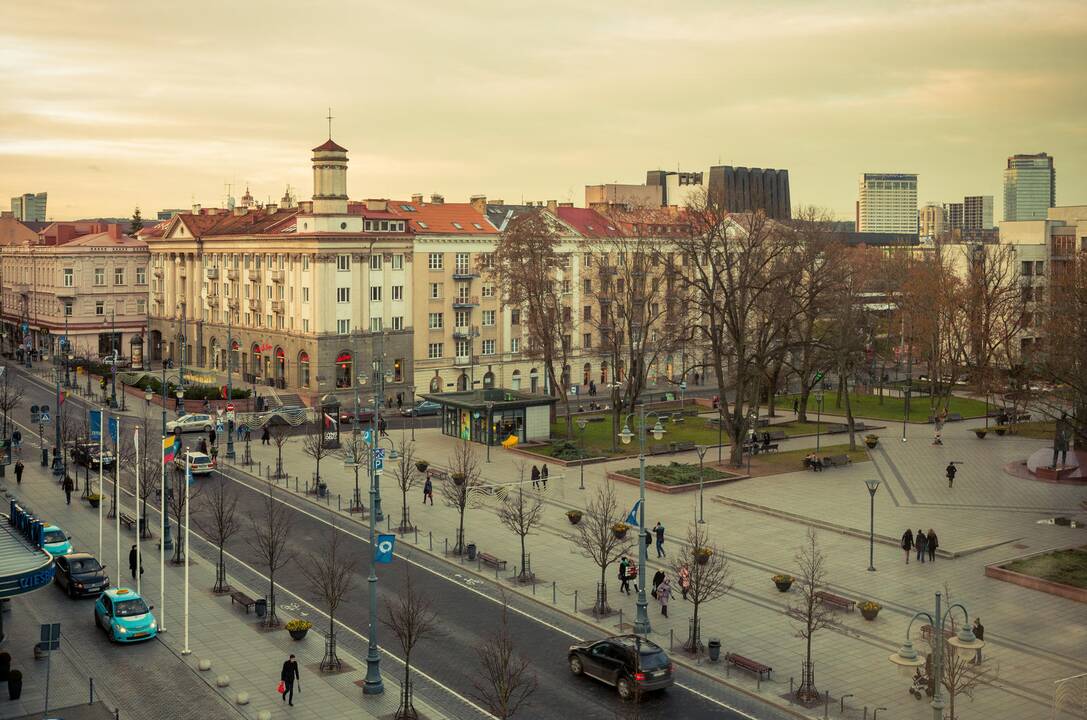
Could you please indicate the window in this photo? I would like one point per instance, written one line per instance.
(305, 325)
(434, 261)
(268, 292)
(375, 262)
(462, 260)
(587, 312)
(435, 291)
(458, 226)
(434, 350)
(398, 293)
(99, 307)
(141, 276)
(384, 226)
(368, 225)
(398, 262)
(566, 286)
(567, 314)
(587, 340)
(268, 320)
(488, 318)
(141, 306)
(588, 260)
(587, 285)
(566, 342)
(343, 295)
(486, 261)
(515, 317)
(69, 277)
(343, 327)
(464, 348)
(305, 262)
(398, 370)
(68, 309)
(375, 293)
(1038, 265)
(435, 321)
(515, 345)
(375, 324)
(488, 291)
(99, 276)
(119, 276)
(398, 322)
(343, 263)
(488, 347)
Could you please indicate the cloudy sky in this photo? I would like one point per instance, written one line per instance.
(110, 104)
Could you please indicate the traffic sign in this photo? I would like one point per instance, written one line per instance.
(379, 459)
(35, 413)
(25, 327)
(219, 426)
(44, 418)
(367, 436)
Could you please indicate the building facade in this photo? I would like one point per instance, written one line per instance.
(932, 220)
(678, 188)
(977, 212)
(30, 206)
(742, 189)
(887, 202)
(1030, 187)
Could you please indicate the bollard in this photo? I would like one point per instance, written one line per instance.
(865, 707)
(671, 637)
(91, 701)
(417, 535)
(790, 686)
(826, 704)
(841, 708)
(554, 594)
(338, 508)
(496, 571)
(575, 602)
(621, 621)
(533, 581)
(446, 551)
(431, 533)
(388, 523)
(296, 483)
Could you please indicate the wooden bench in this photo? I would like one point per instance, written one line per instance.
(242, 599)
(927, 630)
(748, 664)
(837, 600)
(684, 446)
(130, 522)
(835, 460)
(777, 435)
(492, 561)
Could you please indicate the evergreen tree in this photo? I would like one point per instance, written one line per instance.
(137, 222)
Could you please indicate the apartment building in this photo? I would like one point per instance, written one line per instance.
(887, 202)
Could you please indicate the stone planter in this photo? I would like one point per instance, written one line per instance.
(574, 516)
(980, 432)
(421, 466)
(94, 501)
(298, 634)
(871, 441)
(1000, 431)
(783, 584)
(620, 532)
(458, 479)
(702, 556)
(869, 614)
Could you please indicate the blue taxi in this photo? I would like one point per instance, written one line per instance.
(124, 616)
(55, 541)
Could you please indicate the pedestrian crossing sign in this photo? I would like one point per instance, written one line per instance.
(44, 418)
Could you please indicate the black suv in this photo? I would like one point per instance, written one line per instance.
(80, 574)
(86, 453)
(631, 663)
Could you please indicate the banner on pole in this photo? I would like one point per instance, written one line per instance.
(632, 518)
(96, 424)
(386, 544)
(114, 429)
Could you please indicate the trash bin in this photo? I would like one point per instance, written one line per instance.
(715, 649)
(261, 606)
(471, 551)
(322, 489)
(45, 457)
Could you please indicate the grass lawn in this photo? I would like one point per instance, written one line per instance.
(868, 406)
(1068, 567)
(793, 460)
(675, 473)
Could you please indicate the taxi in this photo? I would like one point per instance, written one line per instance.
(55, 541)
(124, 616)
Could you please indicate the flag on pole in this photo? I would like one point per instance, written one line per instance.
(170, 446)
(96, 425)
(114, 429)
(385, 546)
(632, 518)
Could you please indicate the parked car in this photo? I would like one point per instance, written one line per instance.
(86, 453)
(632, 664)
(55, 541)
(197, 422)
(124, 616)
(199, 463)
(80, 575)
(366, 414)
(422, 409)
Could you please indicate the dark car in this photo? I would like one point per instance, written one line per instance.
(630, 663)
(366, 414)
(81, 575)
(86, 453)
(422, 408)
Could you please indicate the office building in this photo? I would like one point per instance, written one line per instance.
(742, 189)
(1030, 187)
(977, 212)
(932, 220)
(887, 202)
(955, 212)
(678, 189)
(624, 195)
(29, 207)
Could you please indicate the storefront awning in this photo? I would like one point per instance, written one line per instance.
(23, 567)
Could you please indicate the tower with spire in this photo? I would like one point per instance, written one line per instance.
(329, 212)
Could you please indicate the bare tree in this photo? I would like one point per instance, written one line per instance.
(1063, 314)
(809, 612)
(150, 465)
(271, 534)
(11, 394)
(331, 573)
(411, 619)
(961, 676)
(708, 577)
(461, 488)
(313, 444)
(406, 475)
(507, 681)
(219, 522)
(280, 433)
(520, 515)
(597, 540)
(175, 504)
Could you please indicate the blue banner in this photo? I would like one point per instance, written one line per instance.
(114, 429)
(96, 424)
(386, 544)
(632, 518)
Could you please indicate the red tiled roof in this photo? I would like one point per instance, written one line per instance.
(589, 222)
(439, 218)
(254, 222)
(103, 238)
(329, 145)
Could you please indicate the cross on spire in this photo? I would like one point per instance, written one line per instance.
(329, 118)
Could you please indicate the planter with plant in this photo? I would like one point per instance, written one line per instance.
(298, 628)
(620, 530)
(94, 499)
(574, 516)
(1001, 430)
(869, 609)
(702, 555)
(871, 441)
(784, 582)
(15, 685)
(5, 666)
(422, 465)
(458, 479)
(980, 432)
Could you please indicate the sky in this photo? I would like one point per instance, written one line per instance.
(108, 105)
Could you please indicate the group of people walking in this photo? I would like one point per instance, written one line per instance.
(539, 476)
(923, 544)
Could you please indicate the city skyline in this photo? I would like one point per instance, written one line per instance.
(110, 109)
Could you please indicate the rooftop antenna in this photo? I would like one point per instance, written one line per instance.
(329, 118)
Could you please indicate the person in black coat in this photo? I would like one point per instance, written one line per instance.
(907, 543)
(288, 675)
(535, 477)
(931, 543)
(920, 543)
(658, 578)
(132, 561)
(951, 474)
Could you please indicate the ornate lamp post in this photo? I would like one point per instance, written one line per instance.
(872, 486)
(582, 423)
(641, 621)
(490, 431)
(229, 376)
(411, 390)
(701, 449)
(373, 684)
(818, 418)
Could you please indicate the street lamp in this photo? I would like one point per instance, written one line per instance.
(373, 684)
(582, 423)
(753, 418)
(180, 394)
(148, 395)
(908, 659)
(701, 449)
(490, 428)
(641, 621)
(872, 486)
(412, 407)
(818, 418)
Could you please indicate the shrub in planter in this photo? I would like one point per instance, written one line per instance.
(783, 582)
(871, 440)
(565, 450)
(422, 465)
(980, 432)
(869, 609)
(298, 628)
(15, 685)
(94, 499)
(458, 478)
(702, 555)
(620, 530)
(574, 516)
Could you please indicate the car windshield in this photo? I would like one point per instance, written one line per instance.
(54, 536)
(128, 608)
(653, 660)
(87, 565)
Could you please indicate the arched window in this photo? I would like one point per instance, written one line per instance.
(534, 380)
(257, 359)
(587, 373)
(281, 367)
(462, 382)
(303, 369)
(436, 383)
(515, 380)
(604, 372)
(344, 369)
(488, 380)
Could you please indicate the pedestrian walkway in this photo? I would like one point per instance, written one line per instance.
(987, 517)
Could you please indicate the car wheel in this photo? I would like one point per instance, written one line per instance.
(575, 665)
(71, 592)
(207, 428)
(97, 621)
(625, 687)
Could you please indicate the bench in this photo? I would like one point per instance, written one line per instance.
(836, 460)
(492, 561)
(777, 435)
(683, 446)
(130, 522)
(748, 664)
(242, 599)
(837, 600)
(951, 417)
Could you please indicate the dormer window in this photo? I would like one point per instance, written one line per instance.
(458, 226)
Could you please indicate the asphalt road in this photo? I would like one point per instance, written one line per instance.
(468, 611)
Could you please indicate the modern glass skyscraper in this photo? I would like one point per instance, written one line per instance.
(1030, 187)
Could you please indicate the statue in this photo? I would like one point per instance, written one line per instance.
(1060, 441)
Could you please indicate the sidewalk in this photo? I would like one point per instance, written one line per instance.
(987, 517)
(220, 632)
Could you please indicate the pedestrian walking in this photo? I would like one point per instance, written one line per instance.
(265, 437)
(382, 425)
(399, 401)
(624, 579)
(796, 406)
(658, 578)
(18, 472)
(920, 543)
(658, 529)
(543, 476)
(287, 676)
(648, 538)
(17, 441)
(951, 470)
(69, 486)
(241, 433)
(428, 492)
(979, 633)
(203, 446)
(132, 559)
(907, 543)
(931, 543)
(535, 477)
(212, 437)
(685, 579)
(664, 594)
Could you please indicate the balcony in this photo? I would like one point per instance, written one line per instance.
(465, 333)
(156, 271)
(465, 274)
(254, 304)
(279, 306)
(158, 297)
(279, 276)
(465, 301)
(213, 301)
(231, 275)
(66, 292)
(465, 360)
(213, 273)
